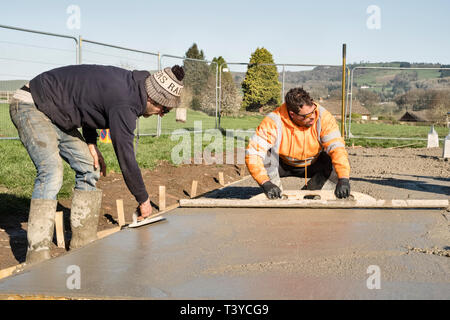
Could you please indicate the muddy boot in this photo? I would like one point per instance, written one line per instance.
(84, 217)
(41, 223)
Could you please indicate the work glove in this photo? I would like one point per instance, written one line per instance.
(271, 190)
(342, 188)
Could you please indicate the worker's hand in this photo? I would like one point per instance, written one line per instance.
(98, 158)
(145, 210)
(342, 188)
(271, 190)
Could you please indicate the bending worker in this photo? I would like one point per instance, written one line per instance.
(302, 139)
(47, 113)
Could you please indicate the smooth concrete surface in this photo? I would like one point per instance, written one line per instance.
(226, 253)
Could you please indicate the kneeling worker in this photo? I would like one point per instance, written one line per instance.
(302, 139)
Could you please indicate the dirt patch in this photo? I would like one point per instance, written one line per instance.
(381, 173)
(400, 173)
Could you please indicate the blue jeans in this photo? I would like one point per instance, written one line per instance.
(46, 144)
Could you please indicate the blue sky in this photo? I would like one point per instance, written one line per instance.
(310, 32)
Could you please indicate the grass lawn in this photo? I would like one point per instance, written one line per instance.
(375, 129)
(7, 128)
(17, 172)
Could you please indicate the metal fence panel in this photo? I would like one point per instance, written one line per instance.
(23, 55)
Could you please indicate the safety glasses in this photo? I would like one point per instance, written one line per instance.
(306, 116)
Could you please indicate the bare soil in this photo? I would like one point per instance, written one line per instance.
(382, 173)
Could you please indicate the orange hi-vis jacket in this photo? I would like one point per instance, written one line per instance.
(296, 146)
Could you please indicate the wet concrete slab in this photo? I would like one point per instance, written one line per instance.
(225, 253)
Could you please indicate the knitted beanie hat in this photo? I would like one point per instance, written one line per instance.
(165, 86)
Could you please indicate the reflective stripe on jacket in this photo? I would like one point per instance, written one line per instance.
(296, 146)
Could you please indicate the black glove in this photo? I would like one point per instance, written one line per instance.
(342, 188)
(271, 190)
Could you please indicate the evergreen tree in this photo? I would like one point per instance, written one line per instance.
(261, 86)
(196, 73)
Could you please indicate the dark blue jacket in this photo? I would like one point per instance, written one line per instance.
(97, 97)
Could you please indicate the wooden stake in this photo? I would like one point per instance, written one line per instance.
(194, 188)
(221, 179)
(59, 226)
(120, 213)
(162, 198)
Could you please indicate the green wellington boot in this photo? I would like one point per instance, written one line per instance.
(41, 223)
(84, 216)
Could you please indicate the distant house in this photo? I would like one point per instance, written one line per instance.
(416, 116)
(335, 107)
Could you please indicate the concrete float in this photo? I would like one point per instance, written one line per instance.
(313, 199)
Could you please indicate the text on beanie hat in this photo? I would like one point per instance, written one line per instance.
(166, 82)
(165, 86)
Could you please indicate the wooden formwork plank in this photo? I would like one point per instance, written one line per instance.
(10, 270)
(107, 232)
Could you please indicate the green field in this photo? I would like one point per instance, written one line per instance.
(378, 77)
(397, 131)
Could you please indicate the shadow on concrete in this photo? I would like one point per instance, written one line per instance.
(408, 184)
